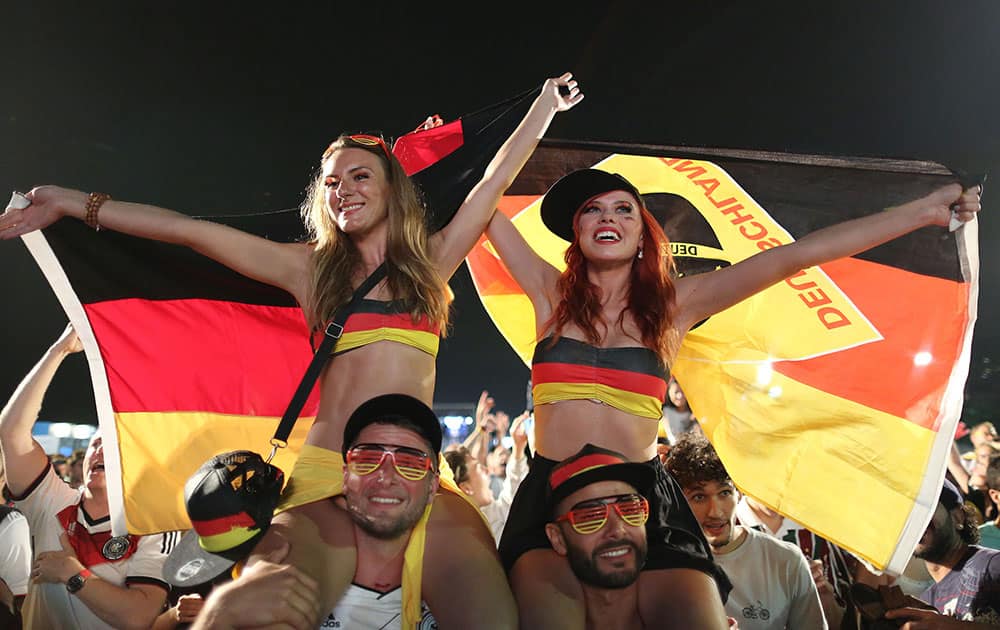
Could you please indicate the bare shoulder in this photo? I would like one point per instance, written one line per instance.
(317, 522)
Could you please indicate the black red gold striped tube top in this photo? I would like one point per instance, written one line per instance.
(377, 320)
(630, 379)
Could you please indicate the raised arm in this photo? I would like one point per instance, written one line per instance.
(478, 441)
(23, 457)
(536, 277)
(280, 264)
(705, 294)
(453, 243)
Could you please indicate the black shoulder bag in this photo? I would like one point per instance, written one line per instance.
(330, 336)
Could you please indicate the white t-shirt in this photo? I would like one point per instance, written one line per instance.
(811, 545)
(364, 609)
(15, 552)
(52, 605)
(773, 588)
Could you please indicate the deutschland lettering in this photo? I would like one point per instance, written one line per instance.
(746, 224)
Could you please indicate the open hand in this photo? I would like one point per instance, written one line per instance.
(48, 205)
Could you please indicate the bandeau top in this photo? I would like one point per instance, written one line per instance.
(377, 320)
(631, 379)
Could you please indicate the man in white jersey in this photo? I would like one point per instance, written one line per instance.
(392, 445)
(82, 577)
(772, 585)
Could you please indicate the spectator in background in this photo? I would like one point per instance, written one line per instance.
(473, 479)
(496, 466)
(977, 489)
(82, 577)
(677, 413)
(831, 566)
(15, 561)
(60, 466)
(663, 440)
(981, 433)
(75, 465)
(772, 585)
(480, 441)
(966, 576)
(989, 532)
(485, 443)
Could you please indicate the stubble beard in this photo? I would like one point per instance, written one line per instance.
(388, 529)
(585, 567)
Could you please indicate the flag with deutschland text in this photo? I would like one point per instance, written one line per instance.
(189, 359)
(833, 396)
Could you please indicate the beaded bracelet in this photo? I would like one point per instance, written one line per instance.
(94, 203)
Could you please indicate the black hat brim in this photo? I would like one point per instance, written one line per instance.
(571, 191)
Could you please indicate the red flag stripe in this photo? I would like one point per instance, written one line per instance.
(252, 369)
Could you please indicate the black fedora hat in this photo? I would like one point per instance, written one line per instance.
(571, 191)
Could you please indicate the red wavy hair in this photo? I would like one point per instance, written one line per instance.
(651, 293)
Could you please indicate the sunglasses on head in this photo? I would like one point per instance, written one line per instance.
(365, 139)
(410, 463)
(590, 518)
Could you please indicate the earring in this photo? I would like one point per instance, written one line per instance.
(639, 255)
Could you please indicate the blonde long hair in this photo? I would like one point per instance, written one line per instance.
(410, 273)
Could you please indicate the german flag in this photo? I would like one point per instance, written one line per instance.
(833, 396)
(189, 359)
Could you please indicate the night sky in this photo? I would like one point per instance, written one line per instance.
(214, 111)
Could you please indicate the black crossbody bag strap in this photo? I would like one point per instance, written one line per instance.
(330, 336)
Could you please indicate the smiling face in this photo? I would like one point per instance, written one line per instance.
(357, 190)
(609, 227)
(612, 556)
(714, 507)
(382, 503)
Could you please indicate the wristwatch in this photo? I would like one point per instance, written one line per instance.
(76, 582)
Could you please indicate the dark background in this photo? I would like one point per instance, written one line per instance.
(226, 108)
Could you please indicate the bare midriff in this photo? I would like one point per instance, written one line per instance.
(349, 379)
(562, 428)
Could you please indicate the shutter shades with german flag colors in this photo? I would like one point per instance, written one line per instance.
(832, 396)
(189, 359)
